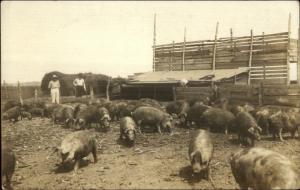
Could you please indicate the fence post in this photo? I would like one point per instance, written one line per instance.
(250, 58)
(174, 93)
(215, 48)
(5, 89)
(260, 94)
(35, 94)
(91, 92)
(107, 88)
(20, 93)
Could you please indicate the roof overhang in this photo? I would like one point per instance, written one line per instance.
(173, 77)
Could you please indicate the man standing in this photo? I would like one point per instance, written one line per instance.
(54, 87)
(79, 84)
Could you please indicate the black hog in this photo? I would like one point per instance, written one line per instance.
(247, 127)
(77, 145)
(262, 118)
(201, 152)
(63, 114)
(49, 108)
(260, 168)
(8, 163)
(153, 117)
(280, 122)
(217, 119)
(114, 109)
(35, 111)
(10, 104)
(152, 102)
(195, 112)
(127, 130)
(295, 120)
(180, 108)
(12, 114)
(86, 115)
(127, 111)
(25, 114)
(104, 117)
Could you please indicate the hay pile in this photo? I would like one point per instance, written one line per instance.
(97, 81)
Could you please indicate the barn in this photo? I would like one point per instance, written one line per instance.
(245, 61)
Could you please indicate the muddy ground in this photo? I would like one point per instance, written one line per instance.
(156, 161)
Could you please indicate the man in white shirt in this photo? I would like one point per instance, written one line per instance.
(54, 86)
(79, 84)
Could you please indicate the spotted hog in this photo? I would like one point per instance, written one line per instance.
(201, 152)
(8, 163)
(154, 117)
(260, 168)
(128, 130)
(77, 145)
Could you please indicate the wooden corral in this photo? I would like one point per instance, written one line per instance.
(11, 92)
(257, 94)
(267, 53)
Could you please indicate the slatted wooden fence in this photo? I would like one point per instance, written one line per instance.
(257, 94)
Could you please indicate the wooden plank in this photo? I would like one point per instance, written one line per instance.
(154, 42)
(287, 51)
(215, 48)
(250, 56)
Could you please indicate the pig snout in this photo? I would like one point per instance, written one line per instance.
(255, 133)
(105, 122)
(131, 136)
(196, 164)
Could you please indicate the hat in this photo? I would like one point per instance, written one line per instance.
(54, 76)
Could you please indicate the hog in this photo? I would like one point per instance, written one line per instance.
(127, 130)
(151, 102)
(295, 120)
(86, 115)
(154, 117)
(126, 111)
(10, 104)
(25, 114)
(8, 163)
(195, 112)
(35, 111)
(104, 117)
(180, 108)
(12, 114)
(76, 146)
(201, 152)
(63, 114)
(280, 121)
(262, 118)
(217, 119)
(49, 108)
(247, 127)
(114, 109)
(260, 168)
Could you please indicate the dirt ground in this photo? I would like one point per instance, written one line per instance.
(156, 161)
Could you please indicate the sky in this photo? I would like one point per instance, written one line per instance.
(116, 38)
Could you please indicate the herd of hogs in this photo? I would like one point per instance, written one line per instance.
(252, 167)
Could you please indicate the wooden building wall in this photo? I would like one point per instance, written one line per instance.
(232, 52)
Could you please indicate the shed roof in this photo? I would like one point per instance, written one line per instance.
(191, 75)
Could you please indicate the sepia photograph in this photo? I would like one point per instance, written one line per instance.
(150, 95)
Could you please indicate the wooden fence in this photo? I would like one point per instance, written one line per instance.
(258, 94)
(11, 92)
(231, 52)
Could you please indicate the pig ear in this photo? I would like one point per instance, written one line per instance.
(259, 128)
(192, 154)
(251, 130)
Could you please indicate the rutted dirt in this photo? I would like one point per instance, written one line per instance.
(156, 161)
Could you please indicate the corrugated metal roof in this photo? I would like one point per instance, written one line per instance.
(191, 75)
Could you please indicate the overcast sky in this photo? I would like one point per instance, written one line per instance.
(115, 38)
